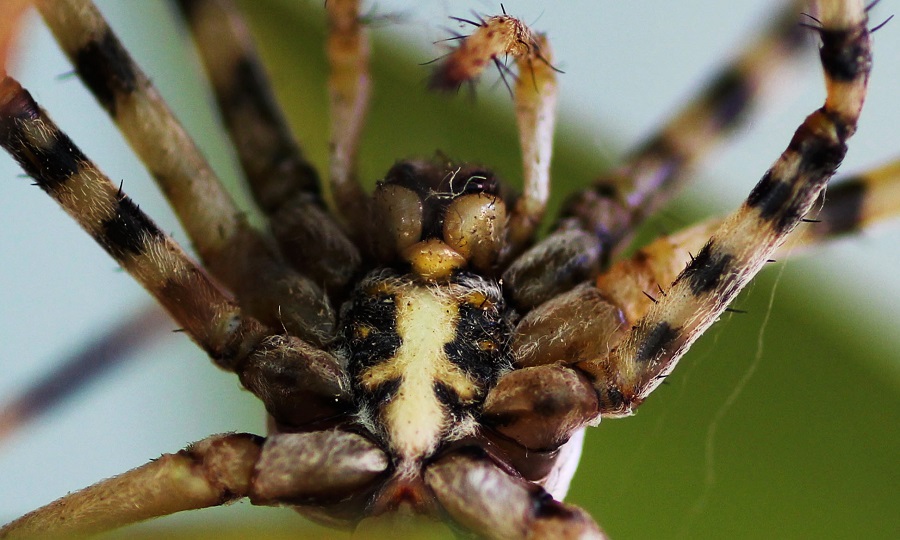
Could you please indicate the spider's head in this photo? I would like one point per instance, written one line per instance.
(439, 218)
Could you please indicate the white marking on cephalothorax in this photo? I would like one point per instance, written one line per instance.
(415, 420)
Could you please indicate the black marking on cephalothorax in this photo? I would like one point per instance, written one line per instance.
(105, 67)
(369, 330)
(383, 393)
(446, 394)
(655, 342)
(844, 55)
(481, 345)
(127, 232)
(449, 397)
(706, 269)
(729, 97)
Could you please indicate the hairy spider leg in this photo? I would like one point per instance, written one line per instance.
(281, 180)
(857, 202)
(740, 247)
(653, 173)
(599, 220)
(853, 203)
(234, 252)
(650, 324)
(461, 478)
(211, 472)
(536, 95)
(209, 316)
(284, 184)
(206, 313)
(484, 498)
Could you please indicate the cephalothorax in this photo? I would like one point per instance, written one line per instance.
(419, 351)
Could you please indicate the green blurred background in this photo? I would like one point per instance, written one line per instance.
(808, 448)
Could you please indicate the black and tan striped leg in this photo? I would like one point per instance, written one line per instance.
(854, 203)
(748, 238)
(210, 317)
(542, 404)
(596, 222)
(652, 174)
(564, 330)
(272, 161)
(233, 252)
(211, 472)
(284, 184)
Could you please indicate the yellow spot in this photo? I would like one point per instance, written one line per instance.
(487, 345)
(479, 300)
(362, 331)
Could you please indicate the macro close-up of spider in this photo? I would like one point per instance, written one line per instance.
(432, 315)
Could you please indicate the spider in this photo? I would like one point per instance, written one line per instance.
(126, 186)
